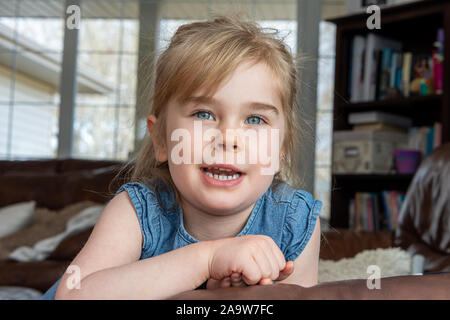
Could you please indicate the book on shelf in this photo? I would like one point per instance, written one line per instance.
(380, 69)
(395, 71)
(374, 117)
(374, 46)
(438, 60)
(379, 126)
(357, 68)
(425, 138)
(406, 74)
(374, 211)
(390, 84)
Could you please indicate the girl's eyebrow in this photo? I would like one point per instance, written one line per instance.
(252, 105)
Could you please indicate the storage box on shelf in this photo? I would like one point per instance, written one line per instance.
(370, 151)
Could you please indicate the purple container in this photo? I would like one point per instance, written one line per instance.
(407, 161)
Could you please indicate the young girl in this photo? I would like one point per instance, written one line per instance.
(176, 226)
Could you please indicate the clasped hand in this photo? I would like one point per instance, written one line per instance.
(246, 260)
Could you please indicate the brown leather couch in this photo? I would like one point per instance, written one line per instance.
(58, 183)
(53, 184)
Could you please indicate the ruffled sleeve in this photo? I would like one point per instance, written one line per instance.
(146, 205)
(301, 217)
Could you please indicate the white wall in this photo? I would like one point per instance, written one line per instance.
(35, 117)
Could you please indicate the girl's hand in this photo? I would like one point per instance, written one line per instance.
(255, 257)
(235, 280)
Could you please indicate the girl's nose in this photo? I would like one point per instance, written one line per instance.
(230, 142)
(228, 145)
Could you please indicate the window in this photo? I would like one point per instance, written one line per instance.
(30, 67)
(108, 53)
(30, 70)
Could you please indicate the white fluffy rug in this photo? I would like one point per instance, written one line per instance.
(391, 262)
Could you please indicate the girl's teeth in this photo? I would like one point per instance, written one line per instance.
(222, 177)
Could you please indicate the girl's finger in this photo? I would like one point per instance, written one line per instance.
(279, 257)
(252, 273)
(225, 282)
(236, 280)
(273, 263)
(265, 282)
(212, 284)
(215, 284)
(287, 271)
(263, 261)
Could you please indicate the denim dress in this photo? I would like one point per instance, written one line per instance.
(285, 214)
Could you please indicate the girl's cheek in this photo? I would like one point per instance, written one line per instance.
(269, 148)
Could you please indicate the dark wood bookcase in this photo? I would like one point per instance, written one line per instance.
(415, 24)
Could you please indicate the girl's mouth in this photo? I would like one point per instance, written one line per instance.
(222, 175)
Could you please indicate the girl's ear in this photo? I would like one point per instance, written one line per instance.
(281, 159)
(158, 144)
(151, 122)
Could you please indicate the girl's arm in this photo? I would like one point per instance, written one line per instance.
(110, 268)
(306, 266)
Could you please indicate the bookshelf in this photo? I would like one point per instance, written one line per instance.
(415, 25)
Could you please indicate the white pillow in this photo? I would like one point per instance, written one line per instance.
(15, 217)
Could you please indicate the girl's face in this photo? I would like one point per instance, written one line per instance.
(211, 177)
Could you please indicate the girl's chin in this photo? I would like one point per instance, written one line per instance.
(224, 204)
(222, 210)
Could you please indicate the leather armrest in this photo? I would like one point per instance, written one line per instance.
(425, 287)
(39, 275)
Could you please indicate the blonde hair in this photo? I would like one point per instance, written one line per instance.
(200, 56)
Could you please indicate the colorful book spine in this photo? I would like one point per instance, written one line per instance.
(376, 211)
(438, 59)
(437, 135)
(394, 205)
(430, 141)
(362, 211)
(351, 218)
(398, 76)
(385, 72)
(406, 73)
(423, 131)
(372, 211)
(387, 211)
(369, 212)
(393, 70)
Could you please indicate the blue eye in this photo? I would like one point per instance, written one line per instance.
(204, 115)
(254, 120)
